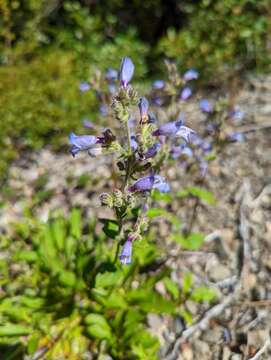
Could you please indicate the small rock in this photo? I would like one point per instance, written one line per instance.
(212, 336)
(219, 272)
(257, 338)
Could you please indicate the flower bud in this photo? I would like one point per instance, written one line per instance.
(126, 71)
(143, 109)
(117, 199)
(106, 199)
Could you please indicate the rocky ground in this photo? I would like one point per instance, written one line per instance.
(236, 257)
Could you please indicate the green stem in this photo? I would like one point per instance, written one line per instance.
(125, 182)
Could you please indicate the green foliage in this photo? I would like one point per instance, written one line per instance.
(198, 192)
(48, 47)
(220, 35)
(191, 242)
(68, 296)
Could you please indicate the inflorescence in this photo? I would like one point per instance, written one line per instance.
(141, 145)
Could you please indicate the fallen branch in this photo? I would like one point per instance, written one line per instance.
(244, 198)
(262, 350)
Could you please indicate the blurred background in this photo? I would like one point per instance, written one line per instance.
(48, 46)
(61, 296)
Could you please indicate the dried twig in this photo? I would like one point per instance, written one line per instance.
(252, 127)
(262, 350)
(243, 258)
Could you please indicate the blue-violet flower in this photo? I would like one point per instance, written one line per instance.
(126, 71)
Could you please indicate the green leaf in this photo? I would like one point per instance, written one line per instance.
(99, 332)
(110, 228)
(59, 233)
(33, 343)
(155, 212)
(67, 278)
(98, 319)
(14, 330)
(107, 279)
(171, 287)
(203, 293)
(70, 247)
(28, 256)
(198, 192)
(187, 282)
(158, 196)
(188, 318)
(32, 302)
(190, 242)
(75, 223)
(150, 301)
(115, 300)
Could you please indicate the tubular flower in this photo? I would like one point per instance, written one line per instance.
(206, 106)
(186, 93)
(126, 71)
(160, 184)
(150, 182)
(126, 253)
(190, 75)
(111, 74)
(182, 149)
(168, 129)
(236, 137)
(143, 184)
(158, 84)
(152, 151)
(134, 144)
(81, 143)
(84, 86)
(143, 109)
(185, 133)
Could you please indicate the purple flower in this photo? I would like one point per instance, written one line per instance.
(211, 129)
(168, 129)
(87, 124)
(150, 182)
(196, 139)
(134, 145)
(190, 75)
(236, 137)
(84, 86)
(158, 101)
(186, 93)
(111, 74)
(143, 109)
(206, 106)
(206, 147)
(158, 84)
(152, 151)
(103, 110)
(182, 149)
(237, 114)
(112, 88)
(81, 142)
(143, 184)
(160, 184)
(185, 133)
(126, 253)
(126, 71)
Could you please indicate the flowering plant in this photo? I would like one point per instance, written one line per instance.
(141, 151)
